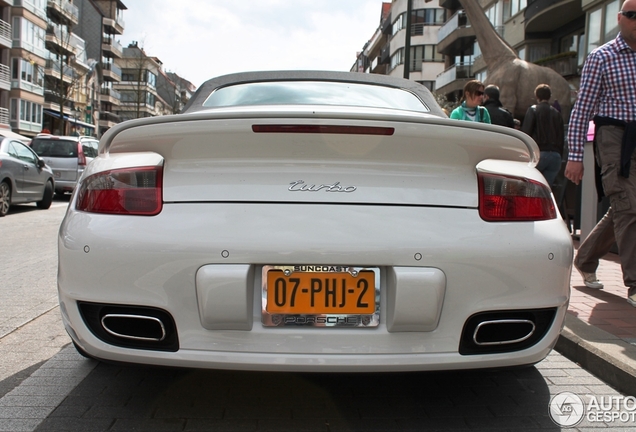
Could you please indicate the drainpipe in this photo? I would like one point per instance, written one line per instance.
(407, 40)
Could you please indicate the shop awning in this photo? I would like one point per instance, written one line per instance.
(69, 119)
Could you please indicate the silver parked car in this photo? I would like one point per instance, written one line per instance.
(67, 156)
(24, 177)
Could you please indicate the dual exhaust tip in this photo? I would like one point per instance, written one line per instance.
(131, 326)
(505, 331)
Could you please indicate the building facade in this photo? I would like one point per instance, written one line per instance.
(101, 24)
(63, 69)
(27, 58)
(405, 43)
(554, 33)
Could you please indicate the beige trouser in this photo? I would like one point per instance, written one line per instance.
(598, 243)
(622, 195)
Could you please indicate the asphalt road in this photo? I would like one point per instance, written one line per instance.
(46, 386)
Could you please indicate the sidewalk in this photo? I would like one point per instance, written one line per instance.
(600, 328)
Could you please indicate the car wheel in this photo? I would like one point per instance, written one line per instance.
(47, 198)
(5, 198)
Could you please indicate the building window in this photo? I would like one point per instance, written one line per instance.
(28, 72)
(594, 31)
(398, 25)
(32, 37)
(151, 79)
(611, 23)
(538, 51)
(397, 58)
(513, 7)
(29, 111)
(424, 53)
(426, 17)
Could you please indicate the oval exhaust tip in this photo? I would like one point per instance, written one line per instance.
(503, 332)
(134, 327)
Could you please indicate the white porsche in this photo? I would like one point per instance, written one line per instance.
(314, 221)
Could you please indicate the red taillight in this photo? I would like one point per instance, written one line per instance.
(131, 191)
(504, 198)
(81, 157)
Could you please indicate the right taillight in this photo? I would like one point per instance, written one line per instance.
(510, 199)
(130, 191)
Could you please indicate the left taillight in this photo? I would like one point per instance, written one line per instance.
(130, 191)
(510, 199)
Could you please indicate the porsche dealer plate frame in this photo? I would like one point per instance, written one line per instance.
(320, 296)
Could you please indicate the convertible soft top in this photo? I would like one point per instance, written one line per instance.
(196, 102)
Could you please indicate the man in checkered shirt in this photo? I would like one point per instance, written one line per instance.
(608, 95)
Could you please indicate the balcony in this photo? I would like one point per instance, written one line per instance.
(5, 34)
(454, 78)
(114, 26)
(110, 95)
(111, 48)
(52, 68)
(58, 41)
(5, 77)
(62, 12)
(108, 119)
(52, 102)
(111, 72)
(4, 117)
(31, 7)
(456, 35)
(566, 64)
(545, 16)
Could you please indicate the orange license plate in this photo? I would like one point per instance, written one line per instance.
(321, 292)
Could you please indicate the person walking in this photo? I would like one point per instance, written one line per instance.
(608, 95)
(498, 114)
(470, 108)
(545, 125)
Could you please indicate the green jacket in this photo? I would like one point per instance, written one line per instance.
(481, 115)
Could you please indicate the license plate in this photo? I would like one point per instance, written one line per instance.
(320, 295)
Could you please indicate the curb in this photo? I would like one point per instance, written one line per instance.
(609, 357)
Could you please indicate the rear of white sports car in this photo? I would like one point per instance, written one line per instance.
(314, 238)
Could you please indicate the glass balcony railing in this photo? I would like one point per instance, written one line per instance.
(453, 73)
(458, 20)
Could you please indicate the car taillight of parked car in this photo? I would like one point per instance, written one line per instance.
(81, 157)
(130, 191)
(510, 199)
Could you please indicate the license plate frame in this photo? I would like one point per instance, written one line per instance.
(370, 318)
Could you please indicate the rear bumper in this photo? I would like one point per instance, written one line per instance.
(153, 262)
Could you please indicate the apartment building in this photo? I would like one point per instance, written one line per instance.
(63, 69)
(138, 85)
(100, 25)
(553, 33)
(70, 77)
(5, 61)
(27, 59)
(404, 45)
